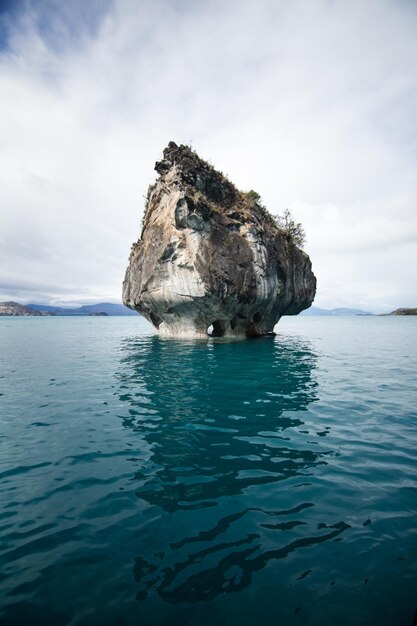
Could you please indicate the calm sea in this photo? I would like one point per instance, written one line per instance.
(148, 481)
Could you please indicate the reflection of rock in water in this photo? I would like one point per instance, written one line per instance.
(215, 417)
(223, 421)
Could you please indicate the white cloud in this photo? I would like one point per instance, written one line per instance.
(311, 104)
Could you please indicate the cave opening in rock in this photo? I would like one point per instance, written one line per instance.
(216, 329)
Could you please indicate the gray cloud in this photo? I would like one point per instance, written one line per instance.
(311, 104)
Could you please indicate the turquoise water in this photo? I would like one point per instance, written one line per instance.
(154, 482)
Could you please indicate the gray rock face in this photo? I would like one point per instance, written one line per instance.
(211, 256)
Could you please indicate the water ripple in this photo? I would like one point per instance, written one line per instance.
(161, 482)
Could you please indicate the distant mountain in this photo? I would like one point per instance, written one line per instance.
(403, 311)
(16, 309)
(104, 307)
(109, 308)
(334, 312)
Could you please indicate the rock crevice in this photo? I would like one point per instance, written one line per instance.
(211, 256)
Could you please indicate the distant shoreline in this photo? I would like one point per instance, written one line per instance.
(108, 309)
(102, 309)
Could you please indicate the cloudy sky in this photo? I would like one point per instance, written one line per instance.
(310, 102)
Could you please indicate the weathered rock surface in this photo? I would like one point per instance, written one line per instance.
(211, 255)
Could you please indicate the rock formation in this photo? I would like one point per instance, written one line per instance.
(211, 256)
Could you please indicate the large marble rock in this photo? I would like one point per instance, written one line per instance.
(211, 256)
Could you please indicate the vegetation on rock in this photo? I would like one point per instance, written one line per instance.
(293, 230)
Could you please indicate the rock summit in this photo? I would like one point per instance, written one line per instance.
(211, 258)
